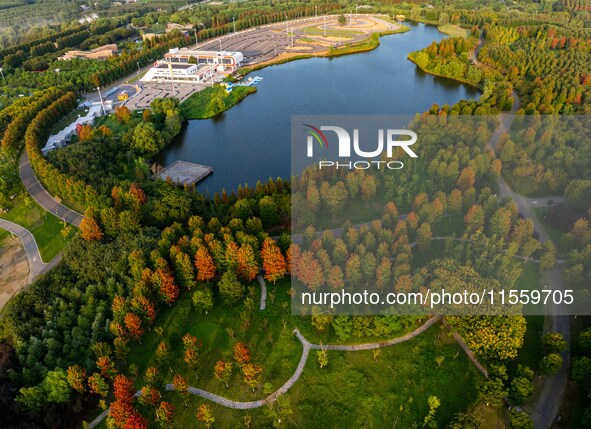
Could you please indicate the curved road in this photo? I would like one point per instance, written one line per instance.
(40, 194)
(36, 264)
(549, 401)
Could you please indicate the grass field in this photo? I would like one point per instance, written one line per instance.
(555, 233)
(454, 30)
(197, 106)
(353, 390)
(45, 227)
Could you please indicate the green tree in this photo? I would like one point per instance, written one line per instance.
(554, 342)
(231, 290)
(520, 420)
(56, 386)
(551, 364)
(342, 20)
(203, 300)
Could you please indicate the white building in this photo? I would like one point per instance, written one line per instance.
(179, 72)
(64, 137)
(223, 61)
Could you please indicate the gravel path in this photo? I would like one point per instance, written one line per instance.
(263, 291)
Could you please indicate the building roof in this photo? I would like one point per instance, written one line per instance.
(180, 66)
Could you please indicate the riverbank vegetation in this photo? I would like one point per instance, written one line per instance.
(214, 100)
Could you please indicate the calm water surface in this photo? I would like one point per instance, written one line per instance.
(250, 142)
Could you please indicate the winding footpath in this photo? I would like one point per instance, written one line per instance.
(306, 347)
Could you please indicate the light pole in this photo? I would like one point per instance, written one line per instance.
(324, 25)
(138, 72)
(316, 13)
(196, 39)
(2, 73)
(101, 98)
(234, 23)
(220, 40)
(171, 79)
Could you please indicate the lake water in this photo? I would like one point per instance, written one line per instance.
(251, 141)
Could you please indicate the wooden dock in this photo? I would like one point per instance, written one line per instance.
(183, 173)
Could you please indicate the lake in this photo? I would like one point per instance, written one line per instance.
(251, 141)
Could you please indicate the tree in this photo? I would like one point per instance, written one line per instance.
(133, 323)
(554, 342)
(123, 389)
(192, 347)
(223, 371)
(98, 385)
(84, 132)
(322, 358)
(122, 114)
(216, 106)
(203, 300)
(342, 20)
(90, 229)
(424, 237)
(466, 179)
(56, 386)
(521, 390)
(77, 378)
(146, 138)
(165, 414)
(520, 420)
(434, 403)
(150, 396)
(247, 268)
(163, 353)
(273, 261)
(581, 371)
(268, 211)
(106, 366)
(181, 386)
(231, 290)
(279, 411)
(492, 391)
(241, 354)
(206, 269)
(548, 258)
(205, 415)
(252, 374)
(166, 286)
(551, 364)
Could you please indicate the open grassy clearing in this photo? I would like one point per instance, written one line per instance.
(453, 30)
(392, 386)
(45, 227)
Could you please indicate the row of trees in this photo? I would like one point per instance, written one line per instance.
(56, 182)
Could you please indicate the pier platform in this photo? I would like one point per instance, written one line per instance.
(185, 173)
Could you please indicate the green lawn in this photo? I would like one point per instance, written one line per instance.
(555, 233)
(198, 105)
(454, 30)
(45, 227)
(354, 389)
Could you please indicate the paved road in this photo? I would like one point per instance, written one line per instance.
(36, 264)
(43, 198)
(548, 404)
